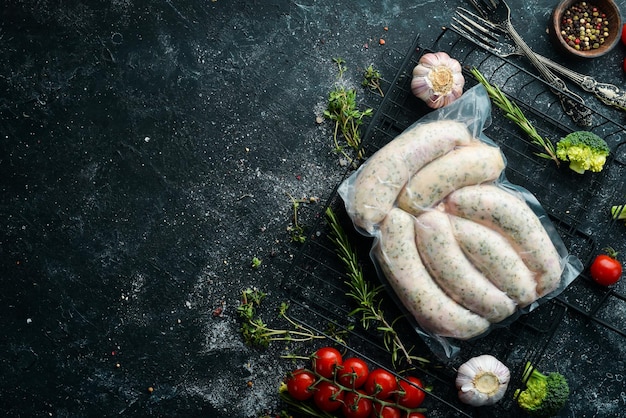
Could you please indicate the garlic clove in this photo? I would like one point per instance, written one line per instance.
(437, 79)
(482, 380)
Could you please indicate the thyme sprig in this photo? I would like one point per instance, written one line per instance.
(256, 333)
(296, 231)
(342, 108)
(371, 80)
(367, 295)
(514, 113)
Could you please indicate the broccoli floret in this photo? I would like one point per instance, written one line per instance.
(544, 395)
(619, 212)
(584, 150)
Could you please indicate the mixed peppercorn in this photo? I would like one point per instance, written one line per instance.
(584, 26)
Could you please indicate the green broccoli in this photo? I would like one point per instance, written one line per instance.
(618, 212)
(544, 395)
(584, 150)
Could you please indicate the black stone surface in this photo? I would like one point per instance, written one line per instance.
(148, 153)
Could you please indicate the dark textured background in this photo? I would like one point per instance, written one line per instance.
(149, 149)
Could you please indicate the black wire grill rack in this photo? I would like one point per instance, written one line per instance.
(580, 331)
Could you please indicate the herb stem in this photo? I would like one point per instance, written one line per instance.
(515, 114)
(256, 332)
(365, 294)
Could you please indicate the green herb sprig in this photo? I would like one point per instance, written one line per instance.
(371, 80)
(366, 295)
(342, 108)
(296, 230)
(514, 113)
(256, 333)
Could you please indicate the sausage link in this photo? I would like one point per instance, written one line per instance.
(433, 310)
(381, 178)
(463, 166)
(512, 217)
(450, 268)
(496, 258)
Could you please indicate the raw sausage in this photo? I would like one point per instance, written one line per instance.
(433, 310)
(512, 217)
(460, 167)
(451, 269)
(496, 258)
(381, 178)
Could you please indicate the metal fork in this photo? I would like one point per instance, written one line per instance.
(494, 42)
(500, 16)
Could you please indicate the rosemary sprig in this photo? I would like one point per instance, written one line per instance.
(366, 295)
(514, 113)
(257, 333)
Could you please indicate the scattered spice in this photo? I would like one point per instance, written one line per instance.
(381, 41)
(584, 26)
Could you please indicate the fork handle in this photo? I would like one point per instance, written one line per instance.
(608, 93)
(580, 114)
(574, 107)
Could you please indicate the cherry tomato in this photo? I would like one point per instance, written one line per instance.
(353, 373)
(624, 34)
(326, 360)
(355, 406)
(298, 384)
(606, 269)
(328, 397)
(385, 411)
(381, 384)
(415, 415)
(410, 396)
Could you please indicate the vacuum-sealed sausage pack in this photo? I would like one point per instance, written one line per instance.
(459, 247)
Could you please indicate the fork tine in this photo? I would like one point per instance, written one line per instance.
(485, 26)
(472, 36)
(472, 31)
(480, 8)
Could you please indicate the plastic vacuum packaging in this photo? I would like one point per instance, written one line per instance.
(460, 248)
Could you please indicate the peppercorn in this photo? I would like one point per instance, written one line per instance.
(584, 26)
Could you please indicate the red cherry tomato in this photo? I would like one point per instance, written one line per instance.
(415, 415)
(385, 411)
(624, 34)
(326, 360)
(381, 384)
(353, 373)
(606, 269)
(328, 397)
(298, 384)
(356, 406)
(410, 394)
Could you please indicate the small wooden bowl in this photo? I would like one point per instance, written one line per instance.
(608, 7)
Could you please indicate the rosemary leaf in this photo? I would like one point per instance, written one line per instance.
(365, 294)
(515, 114)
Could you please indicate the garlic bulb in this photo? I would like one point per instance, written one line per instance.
(437, 79)
(482, 380)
